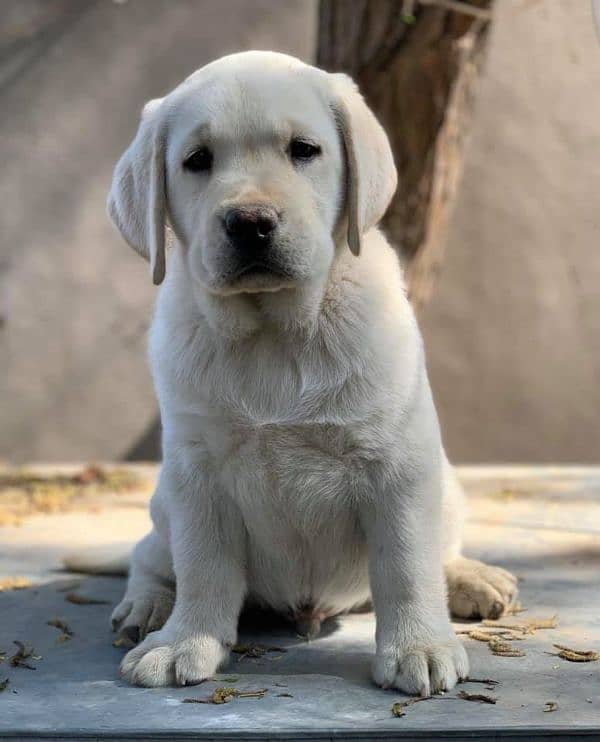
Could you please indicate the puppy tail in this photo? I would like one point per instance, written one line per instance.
(112, 559)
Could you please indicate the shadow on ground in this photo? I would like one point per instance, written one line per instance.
(321, 687)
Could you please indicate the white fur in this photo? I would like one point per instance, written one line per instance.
(303, 467)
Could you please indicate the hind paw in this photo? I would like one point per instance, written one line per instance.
(478, 590)
(142, 611)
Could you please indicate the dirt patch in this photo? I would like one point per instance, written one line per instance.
(25, 492)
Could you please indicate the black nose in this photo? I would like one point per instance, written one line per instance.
(250, 226)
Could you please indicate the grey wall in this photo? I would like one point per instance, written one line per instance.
(74, 300)
(512, 333)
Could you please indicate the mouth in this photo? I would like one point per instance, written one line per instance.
(258, 268)
(257, 276)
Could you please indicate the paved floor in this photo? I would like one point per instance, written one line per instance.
(542, 524)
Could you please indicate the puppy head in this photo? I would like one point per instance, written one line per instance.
(254, 161)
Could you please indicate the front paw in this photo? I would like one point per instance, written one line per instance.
(173, 658)
(421, 667)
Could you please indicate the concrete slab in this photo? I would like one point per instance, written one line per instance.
(543, 524)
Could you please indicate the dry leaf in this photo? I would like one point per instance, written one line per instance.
(502, 652)
(550, 706)
(25, 492)
(23, 653)
(14, 583)
(123, 641)
(480, 636)
(509, 625)
(398, 709)
(223, 695)
(526, 627)
(58, 623)
(83, 600)
(486, 636)
(251, 693)
(577, 655)
(543, 623)
(254, 650)
(502, 648)
(481, 697)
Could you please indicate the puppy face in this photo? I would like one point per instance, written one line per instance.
(255, 160)
(254, 176)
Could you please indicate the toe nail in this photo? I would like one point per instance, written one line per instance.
(497, 609)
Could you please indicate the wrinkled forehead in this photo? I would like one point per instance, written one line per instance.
(251, 105)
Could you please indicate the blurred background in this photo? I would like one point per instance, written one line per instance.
(503, 263)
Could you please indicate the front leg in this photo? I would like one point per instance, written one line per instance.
(417, 649)
(208, 545)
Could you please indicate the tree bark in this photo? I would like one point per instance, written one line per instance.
(416, 62)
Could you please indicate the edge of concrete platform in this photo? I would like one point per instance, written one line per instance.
(407, 735)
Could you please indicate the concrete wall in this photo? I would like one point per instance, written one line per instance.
(512, 333)
(74, 300)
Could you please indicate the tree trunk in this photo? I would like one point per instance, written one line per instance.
(416, 62)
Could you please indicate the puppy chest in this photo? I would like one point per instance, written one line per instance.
(301, 469)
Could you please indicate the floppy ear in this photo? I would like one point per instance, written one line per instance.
(136, 201)
(371, 176)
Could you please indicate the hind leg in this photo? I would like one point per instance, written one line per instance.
(475, 589)
(150, 594)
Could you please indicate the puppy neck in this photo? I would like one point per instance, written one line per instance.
(294, 313)
(239, 316)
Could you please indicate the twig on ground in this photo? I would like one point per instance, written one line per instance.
(225, 695)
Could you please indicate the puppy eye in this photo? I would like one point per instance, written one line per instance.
(303, 151)
(199, 161)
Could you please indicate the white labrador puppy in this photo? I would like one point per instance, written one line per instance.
(303, 467)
